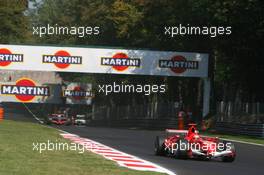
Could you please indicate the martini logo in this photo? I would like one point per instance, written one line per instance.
(77, 93)
(178, 64)
(120, 61)
(62, 59)
(25, 90)
(7, 57)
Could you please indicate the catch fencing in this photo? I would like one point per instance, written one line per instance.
(152, 116)
(144, 111)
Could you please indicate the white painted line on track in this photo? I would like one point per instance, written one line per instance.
(244, 142)
(35, 117)
(238, 141)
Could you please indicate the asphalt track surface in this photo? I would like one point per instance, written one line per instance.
(249, 160)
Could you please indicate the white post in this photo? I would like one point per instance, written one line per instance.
(206, 96)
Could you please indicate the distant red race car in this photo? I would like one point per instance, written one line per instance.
(185, 144)
(58, 119)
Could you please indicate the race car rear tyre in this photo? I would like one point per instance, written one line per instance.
(181, 149)
(159, 146)
(229, 158)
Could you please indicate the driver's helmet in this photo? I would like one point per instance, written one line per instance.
(192, 132)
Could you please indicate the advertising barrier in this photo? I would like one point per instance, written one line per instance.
(103, 60)
(77, 93)
(26, 90)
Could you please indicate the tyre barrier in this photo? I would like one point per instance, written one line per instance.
(256, 130)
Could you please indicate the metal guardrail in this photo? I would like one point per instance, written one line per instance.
(256, 130)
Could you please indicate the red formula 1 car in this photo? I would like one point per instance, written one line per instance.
(58, 119)
(185, 144)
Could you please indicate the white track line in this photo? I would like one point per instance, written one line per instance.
(238, 141)
(121, 158)
(249, 143)
(40, 121)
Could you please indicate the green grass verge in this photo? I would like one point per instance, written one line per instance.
(236, 137)
(17, 155)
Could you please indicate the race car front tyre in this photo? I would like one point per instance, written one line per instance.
(229, 146)
(159, 146)
(181, 149)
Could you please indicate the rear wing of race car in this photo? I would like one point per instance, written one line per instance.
(176, 131)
